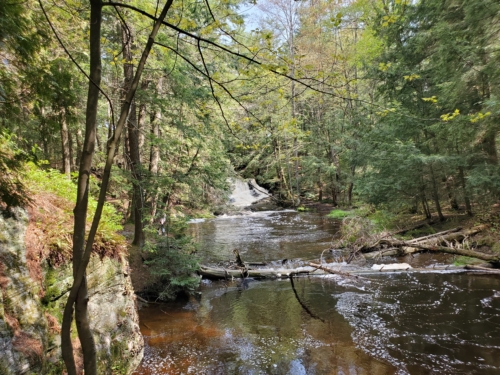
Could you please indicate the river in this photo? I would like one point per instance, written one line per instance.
(398, 323)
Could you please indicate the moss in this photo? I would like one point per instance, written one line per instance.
(338, 214)
(496, 247)
(486, 241)
(463, 261)
(51, 286)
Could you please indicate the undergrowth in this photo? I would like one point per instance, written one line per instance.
(339, 214)
(51, 188)
(172, 261)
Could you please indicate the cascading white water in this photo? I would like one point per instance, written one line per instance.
(245, 193)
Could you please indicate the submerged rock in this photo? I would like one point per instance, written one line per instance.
(392, 266)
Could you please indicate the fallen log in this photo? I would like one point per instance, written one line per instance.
(434, 243)
(441, 237)
(224, 273)
(463, 252)
(431, 236)
(329, 270)
(482, 269)
(389, 252)
(218, 273)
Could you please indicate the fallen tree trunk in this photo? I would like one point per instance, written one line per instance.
(482, 269)
(437, 238)
(329, 270)
(432, 243)
(224, 273)
(432, 236)
(316, 270)
(468, 253)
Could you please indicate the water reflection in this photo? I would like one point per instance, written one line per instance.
(388, 324)
(264, 236)
(258, 330)
(399, 324)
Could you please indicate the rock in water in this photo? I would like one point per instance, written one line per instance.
(392, 266)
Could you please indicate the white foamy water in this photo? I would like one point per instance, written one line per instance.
(245, 193)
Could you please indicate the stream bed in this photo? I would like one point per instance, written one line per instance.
(399, 323)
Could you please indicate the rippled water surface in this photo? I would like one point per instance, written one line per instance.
(264, 236)
(424, 323)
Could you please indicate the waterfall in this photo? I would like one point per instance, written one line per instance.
(245, 193)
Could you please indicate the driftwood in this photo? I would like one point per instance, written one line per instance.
(445, 242)
(221, 273)
(482, 269)
(329, 270)
(224, 273)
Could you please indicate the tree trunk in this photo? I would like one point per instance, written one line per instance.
(141, 122)
(66, 159)
(468, 206)
(133, 143)
(78, 292)
(71, 154)
(449, 191)
(79, 289)
(435, 195)
(79, 146)
(320, 186)
(154, 160)
(351, 187)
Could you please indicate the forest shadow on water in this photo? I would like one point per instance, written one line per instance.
(398, 324)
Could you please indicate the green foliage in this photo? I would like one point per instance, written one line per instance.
(172, 261)
(52, 181)
(339, 214)
(382, 219)
(12, 190)
(174, 269)
(463, 261)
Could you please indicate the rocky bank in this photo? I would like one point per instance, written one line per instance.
(31, 308)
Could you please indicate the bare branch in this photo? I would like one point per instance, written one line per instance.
(76, 63)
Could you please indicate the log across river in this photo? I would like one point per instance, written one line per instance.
(374, 322)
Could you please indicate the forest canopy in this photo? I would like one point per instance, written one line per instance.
(388, 102)
(153, 107)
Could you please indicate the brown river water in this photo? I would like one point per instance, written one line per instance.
(399, 323)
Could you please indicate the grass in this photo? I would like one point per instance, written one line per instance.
(463, 261)
(338, 214)
(55, 197)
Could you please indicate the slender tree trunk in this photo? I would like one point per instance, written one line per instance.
(351, 186)
(435, 195)
(451, 195)
(80, 299)
(79, 146)
(294, 114)
(154, 160)
(133, 143)
(71, 153)
(78, 292)
(468, 206)
(141, 122)
(66, 153)
(320, 186)
(425, 205)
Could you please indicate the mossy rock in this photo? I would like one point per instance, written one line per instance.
(496, 247)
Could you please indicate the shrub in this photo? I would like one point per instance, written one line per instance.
(338, 214)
